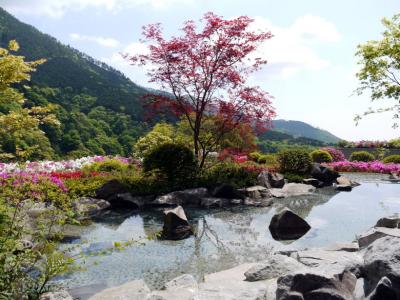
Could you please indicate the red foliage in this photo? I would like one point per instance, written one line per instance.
(206, 72)
(74, 174)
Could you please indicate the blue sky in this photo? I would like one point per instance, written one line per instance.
(311, 69)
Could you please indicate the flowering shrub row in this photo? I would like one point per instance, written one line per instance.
(47, 166)
(392, 144)
(370, 167)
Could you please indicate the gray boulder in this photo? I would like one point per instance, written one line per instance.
(176, 225)
(286, 225)
(213, 202)
(314, 182)
(271, 180)
(367, 238)
(184, 197)
(389, 222)
(292, 189)
(256, 192)
(87, 207)
(384, 290)
(324, 174)
(316, 286)
(382, 258)
(276, 265)
(227, 191)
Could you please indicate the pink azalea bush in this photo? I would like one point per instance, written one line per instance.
(370, 167)
(336, 154)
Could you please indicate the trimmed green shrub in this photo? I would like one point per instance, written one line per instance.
(175, 162)
(255, 156)
(294, 161)
(292, 177)
(361, 156)
(268, 159)
(238, 175)
(392, 159)
(107, 165)
(321, 156)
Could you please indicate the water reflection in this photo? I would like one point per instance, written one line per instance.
(226, 237)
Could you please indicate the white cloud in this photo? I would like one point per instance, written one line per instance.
(103, 41)
(293, 48)
(57, 8)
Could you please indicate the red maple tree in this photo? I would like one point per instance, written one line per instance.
(206, 71)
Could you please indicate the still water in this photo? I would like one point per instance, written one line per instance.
(226, 237)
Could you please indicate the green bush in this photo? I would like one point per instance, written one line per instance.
(362, 156)
(295, 161)
(107, 165)
(321, 156)
(238, 175)
(392, 159)
(255, 156)
(268, 159)
(175, 162)
(292, 177)
(85, 186)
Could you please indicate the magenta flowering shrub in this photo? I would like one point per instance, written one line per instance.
(369, 167)
(336, 154)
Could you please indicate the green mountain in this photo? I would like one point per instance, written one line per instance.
(99, 107)
(300, 129)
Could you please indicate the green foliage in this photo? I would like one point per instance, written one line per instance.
(85, 186)
(255, 156)
(20, 135)
(161, 133)
(175, 162)
(268, 159)
(26, 272)
(380, 66)
(394, 143)
(296, 161)
(238, 175)
(107, 165)
(361, 156)
(321, 156)
(392, 159)
(293, 177)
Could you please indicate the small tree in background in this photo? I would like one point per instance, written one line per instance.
(380, 68)
(205, 72)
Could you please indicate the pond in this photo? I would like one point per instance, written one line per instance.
(225, 237)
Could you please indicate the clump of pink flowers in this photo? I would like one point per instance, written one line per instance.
(370, 167)
(336, 154)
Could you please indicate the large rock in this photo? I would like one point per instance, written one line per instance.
(324, 174)
(384, 290)
(382, 259)
(314, 182)
(87, 207)
(271, 180)
(389, 222)
(286, 225)
(275, 266)
(367, 238)
(110, 189)
(292, 189)
(132, 290)
(213, 202)
(256, 192)
(184, 197)
(184, 287)
(176, 225)
(226, 191)
(316, 286)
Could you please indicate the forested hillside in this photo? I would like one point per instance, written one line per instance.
(99, 108)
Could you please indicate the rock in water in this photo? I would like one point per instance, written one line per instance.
(176, 225)
(288, 226)
(271, 180)
(324, 174)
